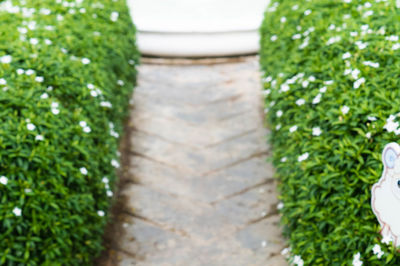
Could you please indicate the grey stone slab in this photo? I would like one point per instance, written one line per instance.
(183, 216)
(208, 188)
(267, 231)
(249, 206)
(204, 161)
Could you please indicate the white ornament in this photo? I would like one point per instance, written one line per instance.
(386, 195)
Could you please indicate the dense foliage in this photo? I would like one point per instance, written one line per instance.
(331, 77)
(67, 69)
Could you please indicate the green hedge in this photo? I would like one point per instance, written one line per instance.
(331, 78)
(67, 70)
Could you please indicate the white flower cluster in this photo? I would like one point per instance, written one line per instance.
(377, 251)
(94, 92)
(107, 186)
(5, 59)
(391, 125)
(85, 127)
(112, 131)
(297, 260)
(357, 260)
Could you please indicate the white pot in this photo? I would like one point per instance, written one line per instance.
(197, 28)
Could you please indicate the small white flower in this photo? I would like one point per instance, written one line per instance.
(115, 163)
(90, 86)
(279, 113)
(55, 111)
(368, 135)
(353, 34)
(266, 92)
(358, 83)
(300, 102)
(280, 205)
(391, 126)
(48, 42)
(39, 79)
(371, 118)
(3, 180)
(355, 73)
(345, 109)
(278, 127)
(30, 126)
(87, 129)
(316, 131)
(105, 180)
(45, 11)
(283, 159)
(307, 12)
(6, 59)
(396, 46)
(106, 104)
(387, 239)
(305, 83)
(392, 38)
(110, 193)
(323, 89)
(34, 41)
(371, 64)
(303, 157)
(285, 251)
(39, 138)
(292, 129)
(298, 261)
(83, 171)
(120, 82)
(333, 40)
(377, 251)
(44, 96)
(30, 72)
(361, 45)
(285, 87)
(100, 213)
(317, 99)
(20, 71)
(346, 55)
(368, 13)
(295, 7)
(85, 61)
(296, 36)
(17, 211)
(347, 1)
(82, 123)
(93, 93)
(3, 81)
(274, 38)
(356, 260)
(114, 16)
(283, 19)
(328, 82)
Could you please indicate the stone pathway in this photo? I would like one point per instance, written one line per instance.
(199, 190)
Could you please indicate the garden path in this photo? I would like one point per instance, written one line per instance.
(197, 188)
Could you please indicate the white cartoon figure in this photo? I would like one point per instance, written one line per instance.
(385, 199)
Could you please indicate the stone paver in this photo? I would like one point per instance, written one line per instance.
(199, 189)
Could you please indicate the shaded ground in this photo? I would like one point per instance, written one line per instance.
(196, 188)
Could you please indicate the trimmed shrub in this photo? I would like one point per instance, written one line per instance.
(331, 78)
(67, 70)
